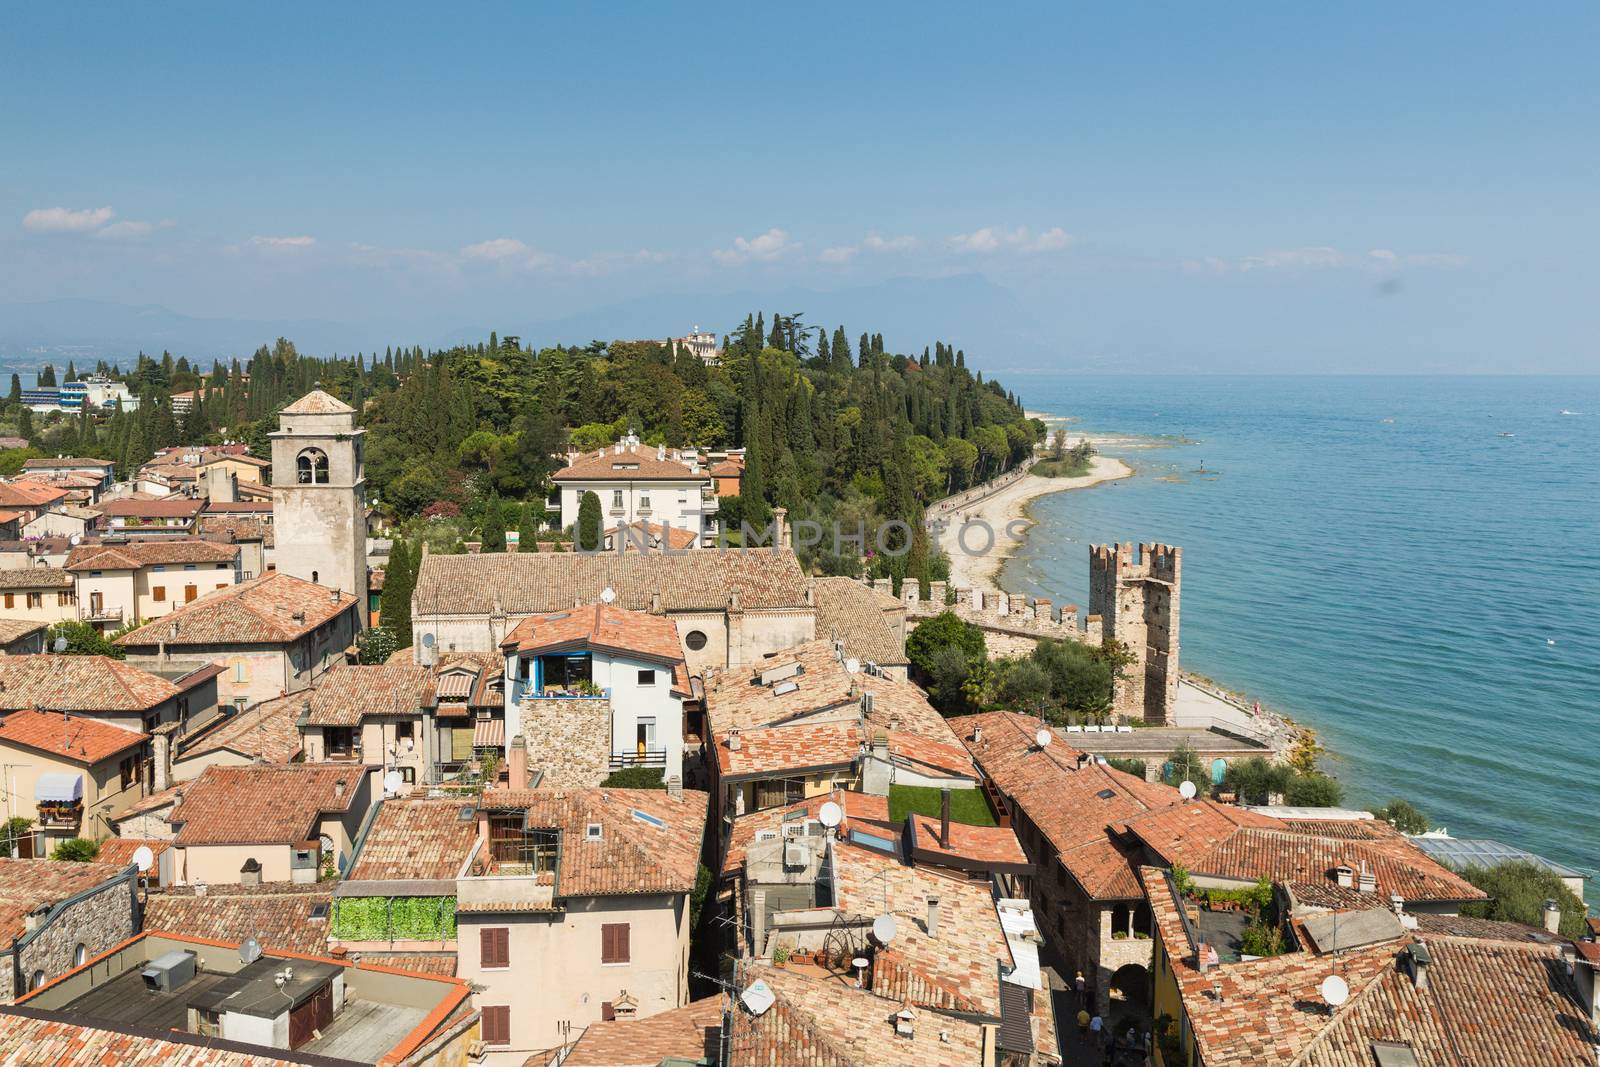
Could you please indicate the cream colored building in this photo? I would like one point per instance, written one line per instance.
(37, 594)
(70, 774)
(639, 484)
(269, 822)
(319, 488)
(119, 582)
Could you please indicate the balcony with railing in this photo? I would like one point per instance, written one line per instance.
(649, 757)
(99, 613)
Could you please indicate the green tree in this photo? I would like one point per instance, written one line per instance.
(944, 651)
(528, 528)
(83, 640)
(394, 603)
(11, 832)
(1314, 790)
(590, 532)
(15, 396)
(494, 525)
(376, 644)
(25, 424)
(76, 850)
(1403, 816)
(1080, 679)
(1256, 779)
(1185, 765)
(1517, 892)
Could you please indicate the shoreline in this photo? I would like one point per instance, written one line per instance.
(1010, 505)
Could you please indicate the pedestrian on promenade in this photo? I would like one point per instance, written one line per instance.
(1078, 983)
(1097, 1027)
(1083, 1025)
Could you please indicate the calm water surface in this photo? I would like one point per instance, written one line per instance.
(1371, 556)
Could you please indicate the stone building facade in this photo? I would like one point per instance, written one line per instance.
(70, 931)
(319, 494)
(568, 738)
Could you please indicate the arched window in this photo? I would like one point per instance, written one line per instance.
(311, 467)
(80, 954)
(696, 640)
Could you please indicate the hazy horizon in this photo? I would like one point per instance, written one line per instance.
(1160, 190)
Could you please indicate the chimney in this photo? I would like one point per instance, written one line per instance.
(1417, 960)
(1345, 876)
(655, 603)
(780, 524)
(338, 789)
(733, 740)
(758, 920)
(517, 764)
(675, 787)
(1552, 917)
(162, 745)
(933, 916)
(1368, 882)
(880, 746)
(1200, 957)
(944, 818)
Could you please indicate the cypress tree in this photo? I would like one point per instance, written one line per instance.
(25, 424)
(16, 388)
(527, 530)
(494, 525)
(394, 603)
(590, 531)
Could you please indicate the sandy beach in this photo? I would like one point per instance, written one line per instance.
(969, 568)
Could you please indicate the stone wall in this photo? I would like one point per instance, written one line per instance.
(98, 921)
(569, 738)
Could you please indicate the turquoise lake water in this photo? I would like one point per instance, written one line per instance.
(1371, 557)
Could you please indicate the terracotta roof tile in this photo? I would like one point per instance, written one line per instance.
(15, 629)
(852, 612)
(269, 610)
(986, 844)
(441, 963)
(36, 578)
(691, 1032)
(634, 464)
(27, 885)
(24, 494)
(166, 508)
(634, 854)
(24, 1039)
(265, 803)
(349, 693)
(523, 583)
(66, 462)
(74, 738)
(788, 748)
(600, 628)
(80, 683)
(267, 731)
(133, 555)
(277, 914)
(423, 839)
(118, 851)
(859, 808)
(649, 534)
(318, 402)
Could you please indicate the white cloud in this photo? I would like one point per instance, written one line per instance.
(65, 220)
(992, 239)
(872, 242)
(1387, 259)
(130, 230)
(508, 252)
(771, 245)
(283, 242)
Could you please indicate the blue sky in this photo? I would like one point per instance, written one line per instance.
(1191, 187)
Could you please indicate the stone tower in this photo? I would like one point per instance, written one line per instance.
(319, 489)
(1135, 596)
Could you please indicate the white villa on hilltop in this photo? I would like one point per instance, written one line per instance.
(640, 484)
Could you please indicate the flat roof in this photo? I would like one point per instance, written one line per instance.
(1463, 852)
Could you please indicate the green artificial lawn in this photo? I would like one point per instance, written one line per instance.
(966, 805)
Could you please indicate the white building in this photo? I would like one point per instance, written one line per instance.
(701, 344)
(632, 659)
(639, 484)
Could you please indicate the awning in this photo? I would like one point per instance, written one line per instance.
(59, 789)
(487, 733)
(456, 684)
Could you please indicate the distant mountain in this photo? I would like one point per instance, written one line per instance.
(87, 330)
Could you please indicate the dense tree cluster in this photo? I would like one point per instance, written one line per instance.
(852, 436)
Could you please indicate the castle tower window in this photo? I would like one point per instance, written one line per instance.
(311, 467)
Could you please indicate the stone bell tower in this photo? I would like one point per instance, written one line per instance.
(319, 489)
(1135, 598)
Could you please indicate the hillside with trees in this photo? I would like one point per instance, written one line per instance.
(464, 440)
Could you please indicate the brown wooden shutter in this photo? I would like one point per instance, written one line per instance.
(494, 946)
(614, 943)
(497, 1025)
(608, 1011)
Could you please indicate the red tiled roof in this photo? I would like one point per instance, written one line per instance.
(276, 914)
(167, 508)
(119, 851)
(267, 731)
(27, 885)
(862, 808)
(36, 578)
(986, 844)
(25, 494)
(634, 855)
(441, 963)
(270, 610)
(600, 628)
(72, 738)
(264, 803)
(690, 1033)
(28, 1040)
(649, 534)
(417, 839)
(788, 748)
(634, 464)
(134, 555)
(65, 463)
(80, 683)
(349, 693)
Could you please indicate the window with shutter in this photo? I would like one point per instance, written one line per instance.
(608, 1011)
(494, 947)
(497, 1025)
(614, 943)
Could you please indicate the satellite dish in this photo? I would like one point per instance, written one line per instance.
(1043, 738)
(757, 997)
(77, 539)
(884, 928)
(1187, 790)
(392, 782)
(427, 640)
(831, 814)
(1335, 990)
(608, 595)
(249, 951)
(60, 644)
(853, 666)
(143, 858)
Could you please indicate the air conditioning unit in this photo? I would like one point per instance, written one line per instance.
(796, 857)
(168, 971)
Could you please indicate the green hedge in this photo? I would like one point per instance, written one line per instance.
(394, 918)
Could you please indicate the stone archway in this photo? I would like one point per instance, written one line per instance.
(1130, 991)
